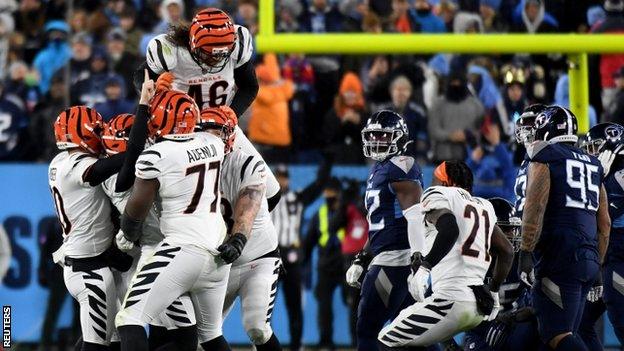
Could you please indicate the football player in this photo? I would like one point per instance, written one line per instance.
(565, 227)
(394, 185)
(515, 327)
(177, 323)
(606, 141)
(255, 269)
(462, 239)
(84, 211)
(183, 172)
(211, 61)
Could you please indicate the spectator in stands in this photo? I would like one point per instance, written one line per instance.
(375, 75)
(54, 56)
(492, 20)
(562, 98)
(127, 22)
(30, 21)
(403, 18)
(14, 137)
(122, 62)
(492, 166)
(426, 19)
(615, 110)
(269, 122)
(80, 63)
(414, 115)
(610, 63)
(515, 96)
(6, 28)
(171, 12)
(42, 137)
(23, 83)
(320, 17)
(247, 15)
(490, 96)
(116, 102)
(531, 17)
(299, 70)
(453, 120)
(343, 123)
(91, 90)
(467, 22)
(78, 20)
(288, 11)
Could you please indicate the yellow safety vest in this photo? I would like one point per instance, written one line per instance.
(324, 227)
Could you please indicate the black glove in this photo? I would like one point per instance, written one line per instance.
(525, 267)
(363, 259)
(417, 261)
(231, 249)
(499, 331)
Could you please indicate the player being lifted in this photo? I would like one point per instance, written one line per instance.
(606, 141)
(462, 240)
(87, 253)
(183, 172)
(565, 204)
(255, 266)
(394, 185)
(211, 61)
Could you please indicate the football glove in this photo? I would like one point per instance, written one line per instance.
(123, 243)
(354, 273)
(525, 268)
(232, 248)
(497, 333)
(595, 293)
(164, 82)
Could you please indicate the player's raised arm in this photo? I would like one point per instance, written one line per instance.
(604, 224)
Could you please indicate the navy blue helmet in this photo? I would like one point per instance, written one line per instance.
(525, 124)
(556, 124)
(507, 220)
(602, 137)
(385, 135)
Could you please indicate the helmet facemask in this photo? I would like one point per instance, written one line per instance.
(213, 62)
(525, 131)
(511, 229)
(380, 143)
(593, 147)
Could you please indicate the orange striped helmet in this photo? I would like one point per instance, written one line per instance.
(116, 133)
(221, 118)
(79, 126)
(211, 39)
(173, 116)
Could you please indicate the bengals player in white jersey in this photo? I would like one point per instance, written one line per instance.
(461, 241)
(87, 252)
(182, 171)
(254, 274)
(211, 61)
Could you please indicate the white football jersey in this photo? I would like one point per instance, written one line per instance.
(469, 259)
(151, 234)
(208, 89)
(188, 173)
(241, 170)
(83, 210)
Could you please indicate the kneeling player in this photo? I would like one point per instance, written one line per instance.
(462, 238)
(254, 273)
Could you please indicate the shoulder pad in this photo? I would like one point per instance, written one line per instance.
(535, 148)
(162, 55)
(244, 46)
(404, 163)
(434, 198)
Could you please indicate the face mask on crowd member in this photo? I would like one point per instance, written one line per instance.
(456, 89)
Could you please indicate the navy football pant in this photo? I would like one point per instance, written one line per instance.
(522, 336)
(559, 300)
(613, 280)
(384, 294)
(587, 331)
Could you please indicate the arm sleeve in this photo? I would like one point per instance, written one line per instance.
(247, 85)
(312, 191)
(415, 227)
(136, 143)
(448, 232)
(89, 171)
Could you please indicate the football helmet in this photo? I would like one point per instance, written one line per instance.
(222, 118)
(525, 124)
(173, 116)
(604, 136)
(507, 220)
(385, 135)
(556, 124)
(79, 127)
(116, 133)
(211, 39)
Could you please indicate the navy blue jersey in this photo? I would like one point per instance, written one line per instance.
(387, 228)
(570, 217)
(512, 288)
(614, 185)
(520, 186)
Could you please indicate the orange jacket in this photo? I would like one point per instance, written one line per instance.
(269, 122)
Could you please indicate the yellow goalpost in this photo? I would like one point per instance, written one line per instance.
(575, 46)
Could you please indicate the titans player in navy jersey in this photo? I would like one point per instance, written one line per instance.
(565, 227)
(394, 184)
(606, 141)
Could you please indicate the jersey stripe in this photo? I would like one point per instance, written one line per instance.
(258, 164)
(242, 172)
(161, 57)
(430, 192)
(151, 152)
(240, 44)
(147, 169)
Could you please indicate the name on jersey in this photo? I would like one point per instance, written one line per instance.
(201, 153)
(206, 79)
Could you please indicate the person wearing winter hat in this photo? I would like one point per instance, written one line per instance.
(54, 56)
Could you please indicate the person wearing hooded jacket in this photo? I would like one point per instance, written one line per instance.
(54, 55)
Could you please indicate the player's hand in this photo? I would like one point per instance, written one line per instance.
(497, 334)
(525, 268)
(164, 82)
(232, 248)
(595, 293)
(418, 283)
(606, 158)
(147, 89)
(358, 266)
(123, 243)
(495, 308)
